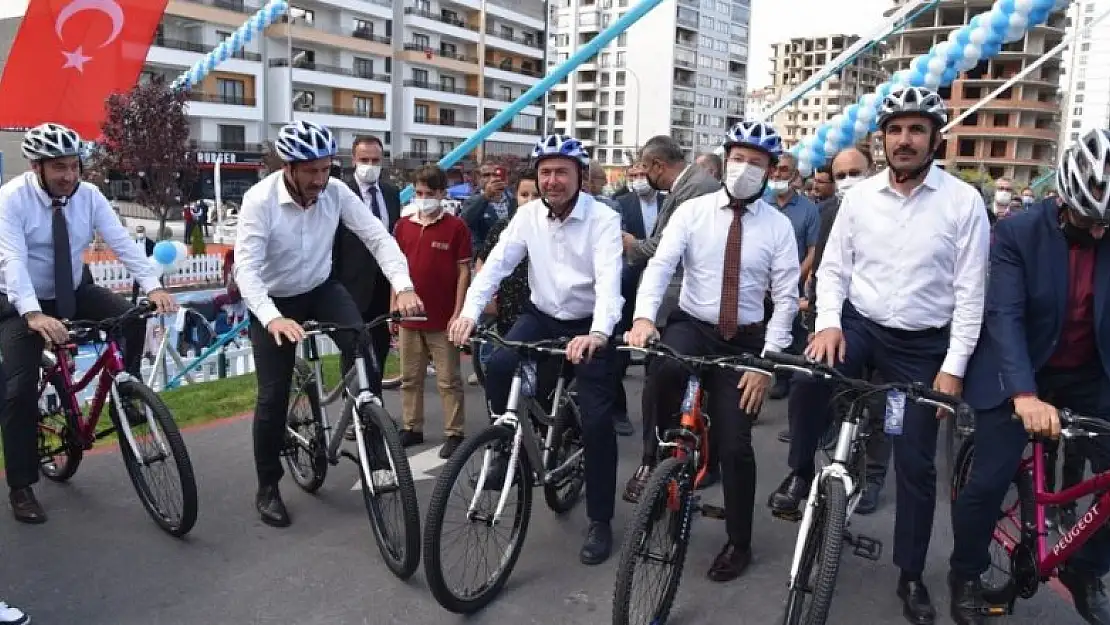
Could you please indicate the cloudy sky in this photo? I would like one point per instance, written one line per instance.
(779, 20)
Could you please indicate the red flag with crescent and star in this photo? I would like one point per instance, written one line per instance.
(70, 55)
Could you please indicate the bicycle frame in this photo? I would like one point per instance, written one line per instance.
(222, 342)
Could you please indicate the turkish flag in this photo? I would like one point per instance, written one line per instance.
(70, 55)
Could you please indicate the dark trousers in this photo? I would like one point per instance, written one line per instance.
(273, 364)
(1000, 443)
(595, 398)
(22, 351)
(731, 426)
(899, 356)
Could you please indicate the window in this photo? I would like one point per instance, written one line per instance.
(364, 68)
(422, 41)
(420, 146)
(604, 100)
(364, 106)
(1079, 98)
(998, 149)
(618, 118)
(445, 147)
(506, 93)
(1002, 119)
(622, 39)
(618, 137)
(303, 16)
(306, 100)
(364, 29)
(619, 98)
(506, 32)
(420, 113)
(620, 62)
(420, 76)
(448, 49)
(621, 78)
(603, 118)
(603, 137)
(447, 117)
(447, 82)
(231, 91)
(1077, 110)
(232, 138)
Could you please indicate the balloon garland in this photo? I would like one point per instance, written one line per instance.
(982, 38)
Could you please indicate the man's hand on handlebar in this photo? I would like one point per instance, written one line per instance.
(1039, 418)
(582, 348)
(50, 329)
(642, 334)
(753, 390)
(163, 301)
(460, 330)
(827, 346)
(949, 385)
(284, 328)
(408, 304)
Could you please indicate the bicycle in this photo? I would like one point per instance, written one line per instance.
(670, 493)
(552, 456)
(1022, 531)
(66, 431)
(312, 445)
(837, 489)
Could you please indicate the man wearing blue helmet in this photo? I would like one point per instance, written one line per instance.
(283, 258)
(573, 246)
(734, 248)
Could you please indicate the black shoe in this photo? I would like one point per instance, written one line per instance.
(25, 507)
(410, 438)
(730, 563)
(449, 446)
(869, 500)
(916, 605)
(967, 601)
(270, 506)
(711, 478)
(1088, 594)
(598, 545)
(787, 499)
(623, 425)
(784, 436)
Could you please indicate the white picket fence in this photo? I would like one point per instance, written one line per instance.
(196, 270)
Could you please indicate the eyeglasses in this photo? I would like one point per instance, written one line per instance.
(854, 173)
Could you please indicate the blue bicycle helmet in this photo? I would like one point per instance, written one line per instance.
(299, 142)
(560, 145)
(757, 135)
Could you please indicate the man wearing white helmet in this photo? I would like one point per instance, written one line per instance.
(899, 290)
(573, 246)
(1045, 345)
(283, 262)
(47, 219)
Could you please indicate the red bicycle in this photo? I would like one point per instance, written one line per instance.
(1021, 531)
(153, 451)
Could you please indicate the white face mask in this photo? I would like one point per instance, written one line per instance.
(1002, 196)
(641, 187)
(778, 186)
(368, 174)
(1027, 200)
(847, 183)
(426, 206)
(744, 181)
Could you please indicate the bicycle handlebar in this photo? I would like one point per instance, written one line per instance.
(915, 391)
(740, 362)
(1078, 426)
(555, 347)
(313, 327)
(80, 328)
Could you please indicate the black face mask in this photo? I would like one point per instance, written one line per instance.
(654, 184)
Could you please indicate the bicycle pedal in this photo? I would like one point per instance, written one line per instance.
(864, 546)
(711, 511)
(792, 516)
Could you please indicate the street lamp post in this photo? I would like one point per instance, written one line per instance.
(639, 91)
(291, 18)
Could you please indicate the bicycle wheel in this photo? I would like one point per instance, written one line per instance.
(394, 495)
(463, 469)
(155, 435)
(822, 546)
(664, 509)
(59, 450)
(308, 463)
(566, 441)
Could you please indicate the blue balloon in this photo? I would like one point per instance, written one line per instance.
(976, 21)
(851, 113)
(963, 36)
(921, 64)
(991, 48)
(1038, 15)
(948, 76)
(917, 79)
(822, 135)
(1006, 6)
(955, 53)
(1000, 21)
(1043, 5)
(165, 252)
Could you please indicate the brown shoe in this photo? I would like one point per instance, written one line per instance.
(25, 507)
(636, 483)
(730, 563)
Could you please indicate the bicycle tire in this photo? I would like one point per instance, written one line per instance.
(658, 486)
(309, 476)
(567, 439)
(826, 537)
(437, 508)
(163, 418)
(378, 423)
(74, 452)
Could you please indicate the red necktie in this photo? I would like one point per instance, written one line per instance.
(730, 283)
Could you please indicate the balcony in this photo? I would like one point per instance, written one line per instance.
(507, 71)
(429, 53)
(439, 18)
(682, 102)
(330, 69)
(451, 123)
(226, 146)
(367, 35)
(530, 46)
(222, 106)
(441, 24)
(420, 84)
(219, 98)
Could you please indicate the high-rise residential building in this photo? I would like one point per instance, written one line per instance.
(1013, 136)
(1086, 83)
(798, 59)
(758, 102)
(680, 70)
(421, 75)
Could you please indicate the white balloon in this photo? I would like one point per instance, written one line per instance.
(965, 64)
(932, 81)
(937, 65)
(834, 133)
(867, 113)
(831, 147)
(973, 52)
(868, 101)
(980, 35)
(941, 49)
(1017, 20)
(1014, 34)
(862, 128)
(901, 77)
(1025, 7)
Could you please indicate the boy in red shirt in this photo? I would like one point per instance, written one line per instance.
(437, 246)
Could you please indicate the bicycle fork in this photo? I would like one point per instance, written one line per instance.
(125, 422)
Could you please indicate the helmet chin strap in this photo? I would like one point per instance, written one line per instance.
(554, 211)
(901, 177)
(60, 200)
(295, 187)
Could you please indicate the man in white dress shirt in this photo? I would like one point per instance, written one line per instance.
(900, 289)
(734, 248)
(283, 262)
(47, 219)
(573, 245)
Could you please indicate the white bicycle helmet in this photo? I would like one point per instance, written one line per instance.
(304, 141)
(560, 145)
(755, 134)
(1084, 169)
(49, 141)
(913, 101)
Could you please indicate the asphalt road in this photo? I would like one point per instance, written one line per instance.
(101, 561)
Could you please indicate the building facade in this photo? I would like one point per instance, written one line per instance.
(1015, 135)
(691, 85)
(796, 60)
(1086, 82)
(758, 102)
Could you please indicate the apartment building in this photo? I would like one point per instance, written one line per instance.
(758, 102)
(1086, 84)
(1015, 135)
(798, 59)
(690, 83)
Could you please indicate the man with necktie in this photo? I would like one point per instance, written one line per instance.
(47, 219)
(734, 248)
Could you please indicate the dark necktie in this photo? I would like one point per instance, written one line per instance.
(65, 300)
(730, 283)
(372, 191)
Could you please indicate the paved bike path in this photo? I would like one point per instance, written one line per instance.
(101, 561)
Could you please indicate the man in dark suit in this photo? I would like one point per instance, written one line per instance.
(353, 265)
(1045, 344)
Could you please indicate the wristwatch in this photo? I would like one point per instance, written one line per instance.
(406, 290)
